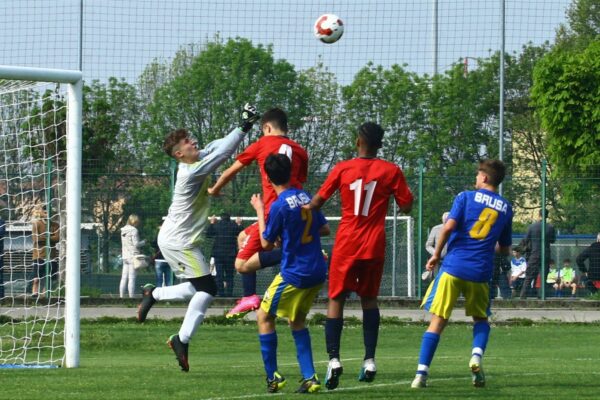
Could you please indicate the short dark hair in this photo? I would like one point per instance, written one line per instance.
(567, 260)
(494, 169)
(372, 134)
(277, 117)
(173, 139)
(225, 216)
(278, 168)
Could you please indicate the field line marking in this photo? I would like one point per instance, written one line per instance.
(404, 382)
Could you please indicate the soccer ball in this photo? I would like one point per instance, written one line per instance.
(329, 28)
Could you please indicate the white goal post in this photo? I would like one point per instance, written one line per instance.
(73, 79)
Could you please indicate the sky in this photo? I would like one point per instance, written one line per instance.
(121, 37)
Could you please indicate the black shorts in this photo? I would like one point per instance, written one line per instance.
(204, 283)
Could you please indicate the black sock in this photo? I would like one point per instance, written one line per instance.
(371, 320)
(249, 284)
(333, 336)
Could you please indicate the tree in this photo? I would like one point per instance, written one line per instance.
(565, 93)
(110, 115)
(204, 90)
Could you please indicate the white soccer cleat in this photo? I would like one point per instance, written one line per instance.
(477, 375)
(419, 382)
(368, 371)
(334, 371)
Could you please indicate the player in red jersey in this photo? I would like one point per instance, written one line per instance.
(365, 183)
(274, 141)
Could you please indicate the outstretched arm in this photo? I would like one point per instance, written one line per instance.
(225, 178)
(315, 203)
(218, 151)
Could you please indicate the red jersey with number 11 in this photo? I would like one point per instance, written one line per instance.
(263, 148)
(365, 186)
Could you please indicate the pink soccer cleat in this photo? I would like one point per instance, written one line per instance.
(244, 306)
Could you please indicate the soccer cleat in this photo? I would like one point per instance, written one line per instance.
(181, 351)
(310, 385)
(419, 382)
(276, 384)
(244, 306)
(368, 371)
(477, 375)
(147, 302)
(334, 371)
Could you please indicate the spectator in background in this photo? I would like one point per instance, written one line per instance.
(500, 279)
(553, 279)
(518, 269)
(130, 248)
(433, 238)
(2, 233)
(533, 242)
(161, 266)
(591, 273)
(567, 277)
(224, 234)
(40, 251)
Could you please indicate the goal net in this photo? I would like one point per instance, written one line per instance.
(399, 268)
(39, 136)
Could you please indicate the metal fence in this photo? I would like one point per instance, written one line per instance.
(429, 71)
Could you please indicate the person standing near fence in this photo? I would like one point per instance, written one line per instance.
(224, 234)
(591, 273)
(41, 266)
(433, 238)
(533, 242)
(161, 266)
(130, 248)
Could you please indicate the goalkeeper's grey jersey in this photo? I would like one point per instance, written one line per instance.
(188, 214)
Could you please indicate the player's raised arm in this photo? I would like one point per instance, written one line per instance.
(259, 206)
(218, 151)
(249, 116)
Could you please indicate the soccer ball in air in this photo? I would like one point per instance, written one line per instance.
(329, 28)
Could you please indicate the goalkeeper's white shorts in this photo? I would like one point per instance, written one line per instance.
(186, 263)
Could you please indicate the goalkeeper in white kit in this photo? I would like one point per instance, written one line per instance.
(180, 236)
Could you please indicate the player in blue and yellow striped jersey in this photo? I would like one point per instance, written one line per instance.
(303, 271)
(480, 223)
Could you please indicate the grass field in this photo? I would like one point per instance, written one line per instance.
(124, 360)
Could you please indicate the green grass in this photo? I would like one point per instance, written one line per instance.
(124, 360)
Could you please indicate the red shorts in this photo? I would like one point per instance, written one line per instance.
(347, 274)
(251, 244)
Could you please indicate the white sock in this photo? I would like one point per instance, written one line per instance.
(194, 315)
(422, 370)
(477, 352)
(183, 291)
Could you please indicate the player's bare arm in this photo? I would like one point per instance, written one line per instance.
(315, 203)
(259, 206)
(225, 178)
(447, 229)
